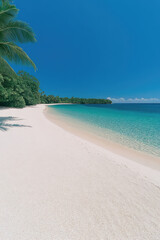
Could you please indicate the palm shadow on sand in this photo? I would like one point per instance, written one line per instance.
(8, 122)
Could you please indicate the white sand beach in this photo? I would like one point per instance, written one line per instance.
(57, 186)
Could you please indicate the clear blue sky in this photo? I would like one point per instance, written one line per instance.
(95, 48)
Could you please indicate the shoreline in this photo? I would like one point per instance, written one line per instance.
(70, 125)
(55, 184)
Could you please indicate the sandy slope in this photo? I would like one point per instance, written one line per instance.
(56, 186)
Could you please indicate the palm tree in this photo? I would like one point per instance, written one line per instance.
(12, 32)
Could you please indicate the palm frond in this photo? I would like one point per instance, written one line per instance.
(7, 12)
(14, 53)
(6, 69)
(17, 31)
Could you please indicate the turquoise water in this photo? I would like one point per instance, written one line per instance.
(134, 125)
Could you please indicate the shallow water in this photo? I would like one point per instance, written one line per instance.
(134, 125)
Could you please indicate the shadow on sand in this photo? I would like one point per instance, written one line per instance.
(6, 123)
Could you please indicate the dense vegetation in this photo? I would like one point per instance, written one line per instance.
(21, 89)
(74, 100)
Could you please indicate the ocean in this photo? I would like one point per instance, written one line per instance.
(136, 126)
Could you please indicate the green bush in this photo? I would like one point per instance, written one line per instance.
(19, 91)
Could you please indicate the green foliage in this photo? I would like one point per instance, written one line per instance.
(13, 32)
(49, 99)
(22, 89)
(6, 69)
(30, 86)
(56, 99)
(14, 53)
(7, 13)
(86, 100)
(17, 31)
(43, 97)
(10, 92)
(92, 101)
(19, 91)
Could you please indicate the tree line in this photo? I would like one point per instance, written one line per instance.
(21, 89)
(24, 89)
(56, 99)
